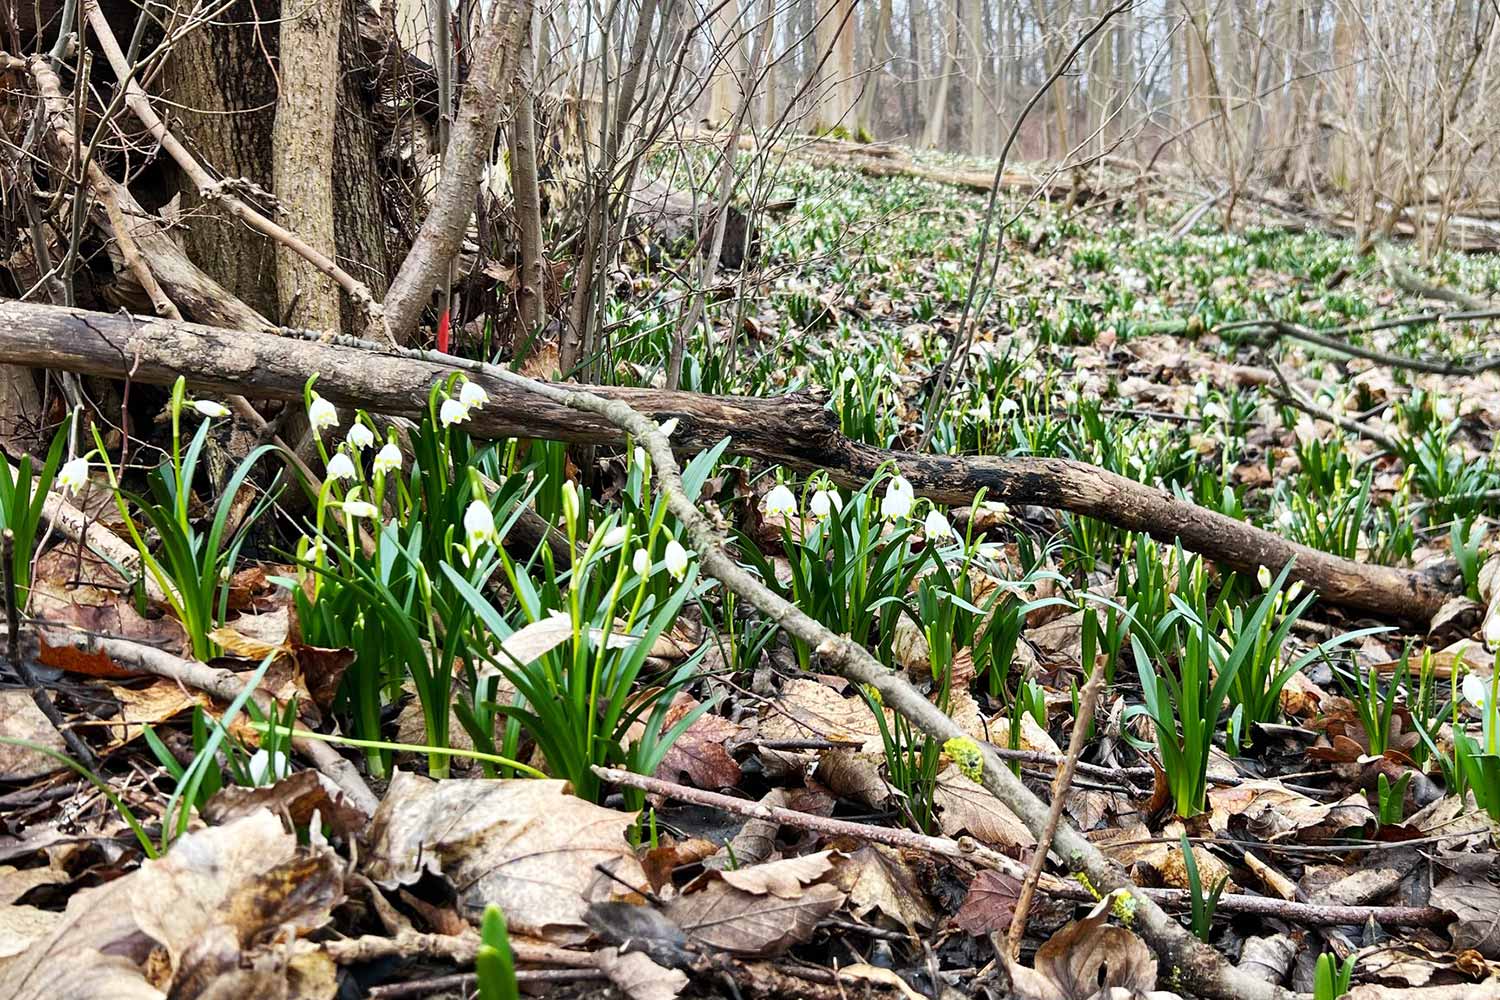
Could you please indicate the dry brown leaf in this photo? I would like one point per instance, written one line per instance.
(861, 972)
(1033, 736)
(699, 755)
(880, 878)
(855, 775)
(297, 796)
(200, 913)
(989, 905)
(639, 978)
(783, 879)
(728, 919)
(21, 719)
(807, 709)
(1471, 892)
(525, 845)
(965, 807)
(1274, 812)
(1088, 958)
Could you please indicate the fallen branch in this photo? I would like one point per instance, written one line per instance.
(1332, 339)
(226, 686)
(795, 431)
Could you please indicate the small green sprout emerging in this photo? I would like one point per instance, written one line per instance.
(965, 753)
(494, 962)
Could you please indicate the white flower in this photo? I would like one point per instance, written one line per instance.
(1476, 691)
(479, 525)
(321, 414)
(1008, 406)
(615, 536)
(641, 562)
(359, 508)
(473, 396)
(209, 408)
(360, 436)
(780, 501)
(638, 457)
(676, 559)
(1305, 430)
(667, 427)
(1492, 630)
(822, 503)
(570, 501)
(936, 525)
(898, 499)
(452, 412)
(73, 476)
(268, 768)
(340, 467)
(1263, 577)
(388, 459)
(1445, 408)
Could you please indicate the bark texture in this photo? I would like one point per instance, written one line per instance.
(793, 430)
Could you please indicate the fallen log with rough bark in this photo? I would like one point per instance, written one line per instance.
(794, 430)
(660, 215)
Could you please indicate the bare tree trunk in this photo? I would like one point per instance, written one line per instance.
(937, 113)
(302, 160)
(531, 304)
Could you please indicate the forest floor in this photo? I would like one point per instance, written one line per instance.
(1309, 781)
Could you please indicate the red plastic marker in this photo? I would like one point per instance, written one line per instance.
(442, 333)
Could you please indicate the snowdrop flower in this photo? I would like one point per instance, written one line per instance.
(1476, 691)
(479, 525)
(360, 436)
(73, 476)
(268, 768)
(452, 412)
(473, 396)
(388, 459)
(209, 408)
(676, 559)
(898, 499)
(615, 536)
(848, 374)
(340, 467)
(779, 502)
(822, 503)
(1215, 411)
(359, 508)
(936, 525)
(641, 562)
(321, 414)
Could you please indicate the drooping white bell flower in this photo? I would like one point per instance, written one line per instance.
(898, 499)
(321, 414)
(641, 562)
(780, 501)
(615, 536)
(479, 525)
(937, 525)
(473, 396)
(676, 558)
(268, 768)
(208, 408)
(73, 476)
(452, 412)
(388, 459)
(360, 508)
(822, 503)
(340, 467)
(360, 436)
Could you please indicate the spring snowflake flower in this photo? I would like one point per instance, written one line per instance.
(1263, 577)
(473, 396)
(388, 459)
(73, 476)
(638, 457)
(641, 562)
(340, 467)
(667, 427)
(1492, 631)
(359, 508)
(321, 414)
(936, 525)
(1445, 408)
(615, 536)
(898, 499)
(823, 503)
(479, 525)
(210, 409)
(452, 412)
(267, 768)
(779, 502)
(360, 436)
(677, 559)
(1476, 690)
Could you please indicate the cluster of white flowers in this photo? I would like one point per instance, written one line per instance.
(471, 397)
(898, 500)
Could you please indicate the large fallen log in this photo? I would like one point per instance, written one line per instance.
(794, 430)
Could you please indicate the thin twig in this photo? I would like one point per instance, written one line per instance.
(1084, 719)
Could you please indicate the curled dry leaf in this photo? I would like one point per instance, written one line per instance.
(298, 796)
(525, 845)
(1275, 813)
(783, 879)
(1471, 891)
(639, 978)
(20, 719)
(965, 807)
(699, 755)
(990, 904)
(202, 913)
(880, 879)
(1086, 959)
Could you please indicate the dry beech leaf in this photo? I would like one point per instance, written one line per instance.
(639, 978)
(1088, 958)
(965, 807)
(1033, 736)
(878, 878)
(855, 775)
(661, 862)
(728, 919)
(525, 845)
(783, 879)
(807, 709)
(197, 915)
(990, 904)
(20, 719)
